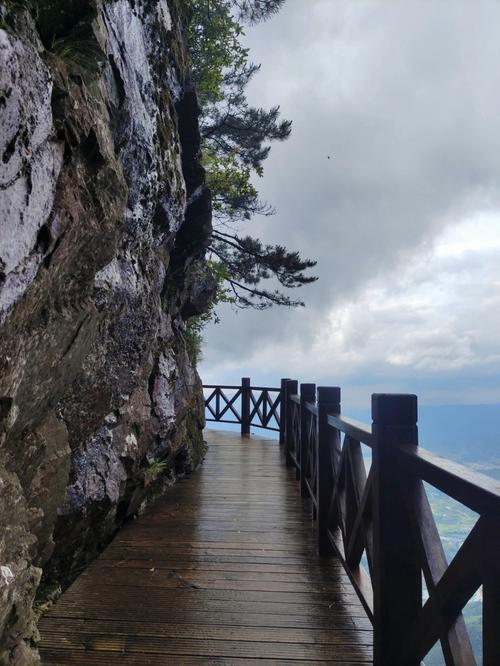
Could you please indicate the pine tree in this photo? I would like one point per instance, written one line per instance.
(235, 141)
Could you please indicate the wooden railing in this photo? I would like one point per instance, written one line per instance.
(370, 505)
(247, 405)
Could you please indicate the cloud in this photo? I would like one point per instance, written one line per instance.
(403, 219)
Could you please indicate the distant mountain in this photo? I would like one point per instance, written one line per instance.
(469, 434)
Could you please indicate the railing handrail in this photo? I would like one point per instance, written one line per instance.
(478, 492)
(349, 426)
(311, 407)
(385, 513)
(275, 389)
(221, 386)
(261, 412)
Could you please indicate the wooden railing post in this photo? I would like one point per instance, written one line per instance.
(283, 411)
(291, 388)
(397, 581)
(307, 394)
(491, 595)
(328, 403)
(245, 406)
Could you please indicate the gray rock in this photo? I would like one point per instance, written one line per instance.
(29, 165)
(104, 221)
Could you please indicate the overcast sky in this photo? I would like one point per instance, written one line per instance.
(403, 219)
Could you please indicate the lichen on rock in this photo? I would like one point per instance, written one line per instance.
(104, 221)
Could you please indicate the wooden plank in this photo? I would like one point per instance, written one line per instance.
(75, 626)
(67, 657)
(220, 551)
(135, 551)
(172, 615)
(289, 571)
(147, 645)
(188, 600)
(211, 582)
(233, 571)
(152, 577)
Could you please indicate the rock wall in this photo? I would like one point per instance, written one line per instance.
(104, 220)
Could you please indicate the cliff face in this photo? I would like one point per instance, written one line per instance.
(104, 218)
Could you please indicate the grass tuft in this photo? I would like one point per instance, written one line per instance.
(83, 54)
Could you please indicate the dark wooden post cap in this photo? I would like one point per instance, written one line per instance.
(308, 392)
(394, 409)
(329, 395)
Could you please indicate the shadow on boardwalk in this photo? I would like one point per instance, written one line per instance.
(223, 569)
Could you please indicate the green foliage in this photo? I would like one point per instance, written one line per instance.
(253, 11)
(194, 339)
(248, 262)
(157, 468)
(82, 54)
(214, 47)
(235, 142)
(221, 69)
(233, 193)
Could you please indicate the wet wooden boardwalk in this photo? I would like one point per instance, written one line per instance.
(222, 570)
